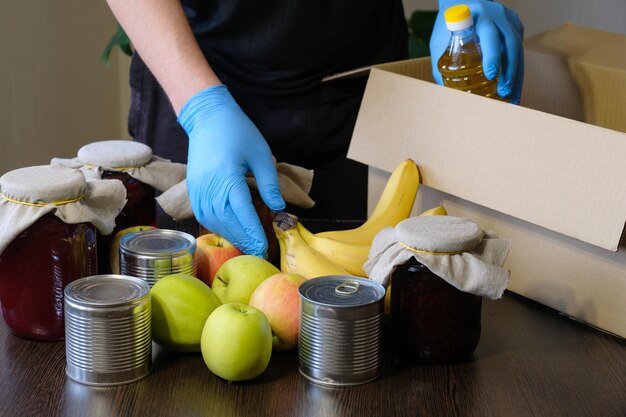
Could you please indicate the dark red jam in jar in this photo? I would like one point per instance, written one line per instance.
(139, 210)
(431, 320)
(140, 207)
(34, 270)
(116, 158)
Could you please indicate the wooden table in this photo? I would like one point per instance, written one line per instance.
(531, 361)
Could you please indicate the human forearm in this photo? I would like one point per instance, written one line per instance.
(161, 34)
(223, 143)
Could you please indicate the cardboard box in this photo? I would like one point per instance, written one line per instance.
(549, 174)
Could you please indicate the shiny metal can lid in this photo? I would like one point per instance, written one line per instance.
(153, 254)
(341, 291)
(158, 243)
(105, 292)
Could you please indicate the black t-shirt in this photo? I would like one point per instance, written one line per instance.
(283, 48)
(272, 55)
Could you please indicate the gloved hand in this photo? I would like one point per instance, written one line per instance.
(223, 145)
(500, 32)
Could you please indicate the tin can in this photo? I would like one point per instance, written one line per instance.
(341, 330)
(108, 333)
(153, 254)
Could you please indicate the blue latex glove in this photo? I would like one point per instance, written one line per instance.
(500, 32)
(223, 145)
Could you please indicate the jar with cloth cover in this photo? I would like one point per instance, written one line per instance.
(295, 184)
(438, 268)
(142, 174)
(49, 215)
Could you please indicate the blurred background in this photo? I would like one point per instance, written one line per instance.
(56, 94)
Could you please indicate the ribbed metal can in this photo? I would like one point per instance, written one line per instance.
(108, 333)
(341, 330)
(153, 254)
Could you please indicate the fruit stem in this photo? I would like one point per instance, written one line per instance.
(285, 221)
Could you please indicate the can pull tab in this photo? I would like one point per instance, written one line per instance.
(347, 288)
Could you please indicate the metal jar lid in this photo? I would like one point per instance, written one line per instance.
(152, 254)
(108, 331)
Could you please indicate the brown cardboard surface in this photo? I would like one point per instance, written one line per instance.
(542, 173)
(591, 61)
(551, 171)
(583, 281)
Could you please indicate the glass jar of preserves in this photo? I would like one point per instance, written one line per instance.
(34, 270)
(139, 210)
(437, 269)
(143, 175)
(431, 320)
(140, 205)
(115, 160)
(49, 216)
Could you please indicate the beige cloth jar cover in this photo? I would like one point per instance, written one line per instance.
(453, 248)
(27, 194)
(133, 158)
(294, 181)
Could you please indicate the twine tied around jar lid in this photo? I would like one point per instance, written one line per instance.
(453, 248)
(27, 194)
(133, 158)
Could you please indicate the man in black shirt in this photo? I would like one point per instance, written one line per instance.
(225, 84)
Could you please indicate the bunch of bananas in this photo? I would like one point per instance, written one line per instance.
(343, 252)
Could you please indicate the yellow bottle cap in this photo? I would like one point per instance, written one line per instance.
(457, 13)
(458, 17)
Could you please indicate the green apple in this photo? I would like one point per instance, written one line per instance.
(162, 268)
(238, 277)
(181, 304)
(114, 246)
(236, 342)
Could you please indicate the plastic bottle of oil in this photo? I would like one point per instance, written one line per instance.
(461, 65)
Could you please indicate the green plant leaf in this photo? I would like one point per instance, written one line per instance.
(420, 23)
(119, 39)
(418, 48)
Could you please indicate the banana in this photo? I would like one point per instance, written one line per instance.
(296, 256)
(349, 256)
(435, 211)
(393, 206)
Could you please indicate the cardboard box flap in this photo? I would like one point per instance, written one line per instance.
(552, 171)
(583, 44)
(592, 61)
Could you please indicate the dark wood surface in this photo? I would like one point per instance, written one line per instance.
(531, 361)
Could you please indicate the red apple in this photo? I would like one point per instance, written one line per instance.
(212, 250)
(278, 298)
